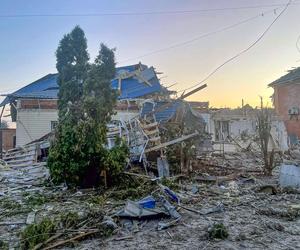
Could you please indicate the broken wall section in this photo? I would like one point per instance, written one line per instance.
(234, 130)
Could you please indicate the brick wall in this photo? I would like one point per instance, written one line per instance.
(8, 135)
(287, 96)
(38, 104)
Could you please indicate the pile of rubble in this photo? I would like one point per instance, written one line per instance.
(217, 206)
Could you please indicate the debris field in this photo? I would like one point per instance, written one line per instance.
(216, 207)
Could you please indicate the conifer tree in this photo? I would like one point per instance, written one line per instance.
(99, 100)
(86, 102)
(72, 66)
(65, 159)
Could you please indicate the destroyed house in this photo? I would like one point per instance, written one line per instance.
(146, 117)
(34, 107)
(287, 102)
(235, 130)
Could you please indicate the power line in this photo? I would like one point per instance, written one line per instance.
(173, 12)
(241, 52)
(198, 37)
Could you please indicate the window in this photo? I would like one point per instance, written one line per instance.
(53, 125)
(221, 130)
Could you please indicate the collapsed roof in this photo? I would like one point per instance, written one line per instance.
(132, 81)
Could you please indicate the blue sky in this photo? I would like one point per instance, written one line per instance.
(28, 44)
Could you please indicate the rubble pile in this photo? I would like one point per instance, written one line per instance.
(215, 208)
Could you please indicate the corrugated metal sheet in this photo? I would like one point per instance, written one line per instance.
(45, 87)
(160, 115)
(131, 87)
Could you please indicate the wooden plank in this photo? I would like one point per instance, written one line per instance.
(151, 132)
(147, 126)
(154, 139)
(76, 238)
(192, 92)
(166, 144)
(20, 160)
(7, 158)
(26, 147)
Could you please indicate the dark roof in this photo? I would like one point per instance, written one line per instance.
(132, 85)
(290, 77)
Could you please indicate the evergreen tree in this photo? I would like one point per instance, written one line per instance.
(65, 159)
(72, 66)
(99, 100)
(86, 102)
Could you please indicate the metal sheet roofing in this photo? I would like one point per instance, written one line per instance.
(142, 83)
(45, 87)
(136, 81)
(163, 115)
(291, 76)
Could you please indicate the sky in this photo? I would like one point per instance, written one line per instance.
(28, 44)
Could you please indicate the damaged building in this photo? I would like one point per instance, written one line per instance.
(234, 130)
(218, 145)
(34, 107)
(143, 108)
(287, 103)
(237, 129)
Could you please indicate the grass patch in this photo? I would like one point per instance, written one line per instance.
(97, 200)
(133, 193)
(36, 200)
(170, 184)
(4, 245)
(9, 204)
(69, 219)
(133, 188)
(37, 233)
(218, 231)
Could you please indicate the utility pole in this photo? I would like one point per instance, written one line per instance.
(261, 102)
(1, 142)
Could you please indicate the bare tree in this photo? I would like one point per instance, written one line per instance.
(264, 123)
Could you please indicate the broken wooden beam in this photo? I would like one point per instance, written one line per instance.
(192, 92)
(166, 144)
(76, 238)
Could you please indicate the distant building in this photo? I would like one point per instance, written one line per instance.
(286, 99)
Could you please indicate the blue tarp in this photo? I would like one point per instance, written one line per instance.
(132, 87)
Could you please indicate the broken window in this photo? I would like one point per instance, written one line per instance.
(221, 130)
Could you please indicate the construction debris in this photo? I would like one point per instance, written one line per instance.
(194, 179)
(226, 212)
(289, 176)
